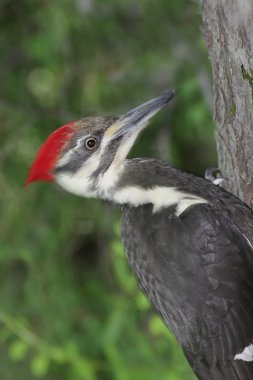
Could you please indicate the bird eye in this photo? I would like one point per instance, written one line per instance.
(90, 143)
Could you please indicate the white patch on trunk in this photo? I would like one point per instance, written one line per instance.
(159, 196)
(246, 354)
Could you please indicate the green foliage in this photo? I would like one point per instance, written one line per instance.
(70, 306)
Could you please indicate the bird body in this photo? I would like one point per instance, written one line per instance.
(196, 269)
(189, 242)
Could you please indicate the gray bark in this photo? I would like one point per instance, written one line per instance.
(228, 31)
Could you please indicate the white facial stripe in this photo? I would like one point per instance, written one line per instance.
(110, 178)
(246, 354)
(159, 196)
(67, 156)
(65, 159)
(79, 183)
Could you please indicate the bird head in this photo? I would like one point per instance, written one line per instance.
(87, 157)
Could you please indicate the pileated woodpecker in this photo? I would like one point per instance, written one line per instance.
(188, 241)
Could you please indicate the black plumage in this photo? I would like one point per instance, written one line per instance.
(196, 268)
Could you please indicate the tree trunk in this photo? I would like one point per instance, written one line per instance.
(228, 31)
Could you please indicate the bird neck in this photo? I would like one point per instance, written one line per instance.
(146, 181)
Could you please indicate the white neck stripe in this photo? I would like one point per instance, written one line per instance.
(159, 196)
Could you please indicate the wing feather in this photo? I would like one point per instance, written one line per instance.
(218, 249)
(197, 270)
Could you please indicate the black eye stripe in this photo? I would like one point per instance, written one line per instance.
(108, 156)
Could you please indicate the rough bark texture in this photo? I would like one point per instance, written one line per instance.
(228, 31)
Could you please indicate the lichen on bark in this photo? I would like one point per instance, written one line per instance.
(246, 76)
(228, 32)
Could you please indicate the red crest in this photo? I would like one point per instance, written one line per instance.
(41, 169)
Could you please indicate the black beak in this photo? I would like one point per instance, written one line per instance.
(136, 118)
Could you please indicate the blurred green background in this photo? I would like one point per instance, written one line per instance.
(70, 308)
